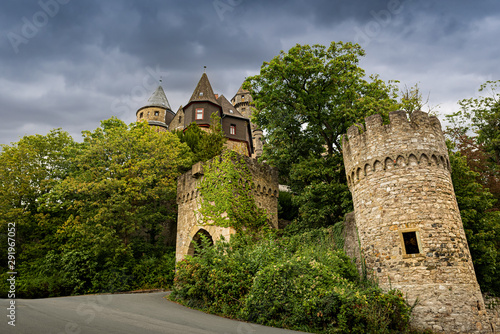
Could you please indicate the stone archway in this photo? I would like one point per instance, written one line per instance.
(197, 241)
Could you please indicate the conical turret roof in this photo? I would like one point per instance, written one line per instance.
(203, 91)
(158, 99)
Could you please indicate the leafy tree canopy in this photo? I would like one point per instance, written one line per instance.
(481, 225)
(306, 99)
(475, 130)
(205, 144)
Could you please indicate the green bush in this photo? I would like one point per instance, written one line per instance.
(300, 282)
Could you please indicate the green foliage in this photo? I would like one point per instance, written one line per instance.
(87, 213)
(286, 209)
(475, 130)
(482, 226)
(204, 144)
(300, 282)
(307, 98)
(227, 195)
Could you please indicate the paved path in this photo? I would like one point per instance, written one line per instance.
(144, 313)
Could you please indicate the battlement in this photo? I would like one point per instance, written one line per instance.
(265, 179)
(419, 138)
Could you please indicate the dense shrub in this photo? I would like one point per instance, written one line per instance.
(77, 272)
(300, 282)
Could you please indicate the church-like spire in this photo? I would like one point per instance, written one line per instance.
(203, 91)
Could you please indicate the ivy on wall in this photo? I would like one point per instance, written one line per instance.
(227, 195)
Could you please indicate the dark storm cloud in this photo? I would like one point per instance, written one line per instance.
(71, 63)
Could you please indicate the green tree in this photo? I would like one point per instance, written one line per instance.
(122, 184)
(205, 144)
(30, 169)
(475, 130)
(306, 99)
(482, 226)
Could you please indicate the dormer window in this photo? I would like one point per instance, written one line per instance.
(201, 93)
(199, 113)
(232, 129)
(231, 111)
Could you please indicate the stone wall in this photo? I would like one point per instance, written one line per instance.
(239, 147)
(351, 241)
(265, 192)
(408, 221)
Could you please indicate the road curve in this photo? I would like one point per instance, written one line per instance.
(145, 313)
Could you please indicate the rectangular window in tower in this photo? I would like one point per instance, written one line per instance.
(157, 113)
(410, 239)
(199, 113)
(232, 129)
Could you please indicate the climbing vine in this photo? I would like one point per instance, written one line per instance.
(227, 195)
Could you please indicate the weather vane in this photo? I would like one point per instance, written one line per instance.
(204, 69)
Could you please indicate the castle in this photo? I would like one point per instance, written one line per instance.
(406, 230)
(242, 137)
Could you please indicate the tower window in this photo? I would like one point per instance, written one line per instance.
(201, 93)
(157, 113)
(232, 129)
(411, 242)
(180, 119)
(242, 98)
(140, 115)
(199, 113)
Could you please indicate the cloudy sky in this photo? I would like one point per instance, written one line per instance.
(72, 63)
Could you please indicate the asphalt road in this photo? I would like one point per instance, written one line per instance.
(146, 313)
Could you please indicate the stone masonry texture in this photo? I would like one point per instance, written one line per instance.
(265, 192)
(399, 177)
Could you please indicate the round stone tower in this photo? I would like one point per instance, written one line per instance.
(243, 102)
(157, 111)
(409, 226)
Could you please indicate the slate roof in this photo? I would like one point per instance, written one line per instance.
(203, 91)
(227, 107)
(158, 99)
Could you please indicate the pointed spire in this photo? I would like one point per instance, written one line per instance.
(203, 91)
(158, 99)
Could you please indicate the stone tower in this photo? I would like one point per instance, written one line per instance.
(409, 225)
(189, 224)
(242, 101)
(157, 111)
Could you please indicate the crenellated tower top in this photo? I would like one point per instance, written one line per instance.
(419, 138)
